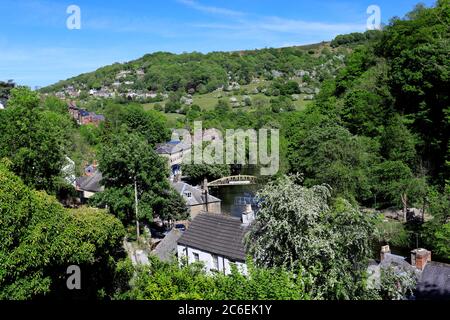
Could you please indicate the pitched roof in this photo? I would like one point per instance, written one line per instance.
(168, 246)
(196, 195)
(91, 183)
(171, 147)
(434, 282)
(393, 260)
(217, 234)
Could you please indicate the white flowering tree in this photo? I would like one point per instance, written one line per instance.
(299, 227)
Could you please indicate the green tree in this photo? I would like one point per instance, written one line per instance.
(397, 284)
(170, 281)
(198, 172)
(436, 230)
(126, 160)
(329, 153)
(395, 184)
(442, 241)
(398, 143)
(303, 227)
(150, 124)
(42, 239)
(222, 107)
(35, 140)
(56, 105)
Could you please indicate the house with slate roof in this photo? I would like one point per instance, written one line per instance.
(217, 241)
(89, 184)
(433, 278)
(174, 151)
(197, 200)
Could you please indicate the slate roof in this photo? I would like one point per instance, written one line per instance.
(171, 147)
(393, 260)
(168, 246)
(434, 282)
(217, 234)
(197, 197)
(91, 183)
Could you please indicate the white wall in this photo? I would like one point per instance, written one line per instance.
(207, 259)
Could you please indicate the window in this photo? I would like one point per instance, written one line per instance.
(215, 262)
(188, 194)
(196, 257)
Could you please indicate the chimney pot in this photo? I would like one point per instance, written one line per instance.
(384, 250)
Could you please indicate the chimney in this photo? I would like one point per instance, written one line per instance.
(384, 250)
(248, 216)
(420, 257)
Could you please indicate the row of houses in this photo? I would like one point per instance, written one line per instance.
(84, 117)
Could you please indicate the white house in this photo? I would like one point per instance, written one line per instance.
(2, 106)
(217, 241)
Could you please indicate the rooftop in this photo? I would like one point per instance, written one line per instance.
(434, 282)
(196, 196)
(167, 248)
(171, 147)
(217, 234)
(90, 183)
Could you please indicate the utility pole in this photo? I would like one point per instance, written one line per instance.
(136, 206)
(205, 192)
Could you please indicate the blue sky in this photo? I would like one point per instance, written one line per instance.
(37, 49)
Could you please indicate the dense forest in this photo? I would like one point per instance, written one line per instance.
(375, 136)
(379, 132)
(202, 73)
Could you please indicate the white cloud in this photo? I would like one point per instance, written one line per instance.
(253, 26)
(280, 25)
(210, 9)
(299, 26)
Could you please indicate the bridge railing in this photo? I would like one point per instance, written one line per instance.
(244, 179)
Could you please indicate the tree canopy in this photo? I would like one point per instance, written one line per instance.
(303, 227)
(35, 139)
(41, 240)
(127, 158)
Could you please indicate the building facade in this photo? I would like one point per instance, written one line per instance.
(174, 151)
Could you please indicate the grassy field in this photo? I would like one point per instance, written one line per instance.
(209, 101)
